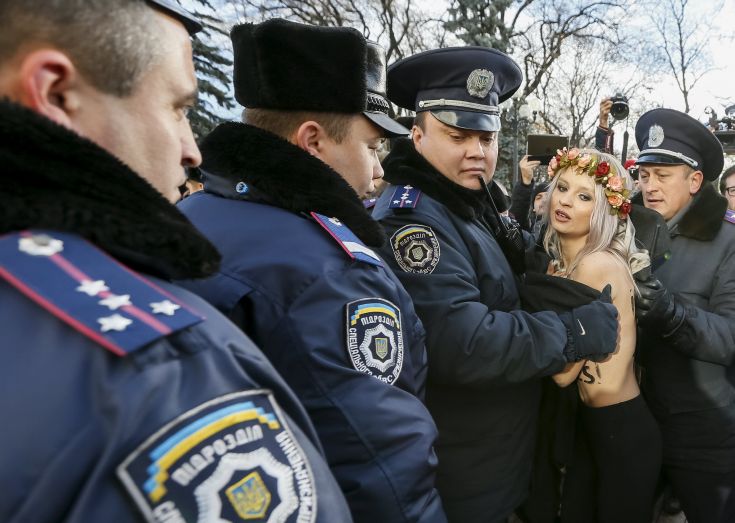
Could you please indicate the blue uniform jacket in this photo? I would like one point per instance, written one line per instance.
(123, 397)
(329, 315)
(485, 354)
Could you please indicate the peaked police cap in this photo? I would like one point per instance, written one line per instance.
(460, 86)
(667, 136)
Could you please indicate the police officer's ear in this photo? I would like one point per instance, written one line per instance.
(417, 135)
(695, 182)
(312, 138)
(47, 82)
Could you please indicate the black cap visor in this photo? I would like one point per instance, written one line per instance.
(469, 120)
(390, 127)
(192, 24)
(659, 159)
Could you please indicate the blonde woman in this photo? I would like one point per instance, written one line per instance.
(615, 464)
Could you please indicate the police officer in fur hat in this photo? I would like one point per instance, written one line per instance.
(281, 201)
(686, 312)
(485, 355)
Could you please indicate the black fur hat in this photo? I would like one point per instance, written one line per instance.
(296, 67)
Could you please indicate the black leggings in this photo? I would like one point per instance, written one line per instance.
(613, 473)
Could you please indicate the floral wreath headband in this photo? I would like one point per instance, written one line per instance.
(604, 174)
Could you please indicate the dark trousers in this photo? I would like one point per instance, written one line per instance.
(616, 464)
(706, 497)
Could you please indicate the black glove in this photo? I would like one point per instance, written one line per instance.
(592, 329)
(656, 308)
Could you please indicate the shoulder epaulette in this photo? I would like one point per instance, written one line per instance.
(87, 289)
(730, 216)
(347, 239)
(405, 197)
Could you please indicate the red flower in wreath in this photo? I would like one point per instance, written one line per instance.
(625, 209)
(602, 169)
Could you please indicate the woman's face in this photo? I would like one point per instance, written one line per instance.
(571, 204)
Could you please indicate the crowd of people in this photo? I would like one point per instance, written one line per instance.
(272, 347)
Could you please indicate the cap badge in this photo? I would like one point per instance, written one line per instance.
(655, 136)
(479, 82)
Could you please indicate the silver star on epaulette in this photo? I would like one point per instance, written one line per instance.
(396, 201)
(92, 288)
(408, 187)
(114, 323)
(40, 245)
(114, 301)
(165, 307)
(336, 221)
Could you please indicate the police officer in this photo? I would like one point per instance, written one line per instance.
(485, 354)
(686, 313)
(122, 396)
(281, 201)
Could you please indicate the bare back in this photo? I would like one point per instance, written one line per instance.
(613, 380)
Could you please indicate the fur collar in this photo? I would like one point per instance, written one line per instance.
(286, 176)
(54, 179)
(705, 216)
(404, 165)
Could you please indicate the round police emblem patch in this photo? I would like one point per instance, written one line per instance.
(655, 136)
(375, 338)
(479, 83)
(416, 248)
(230, 459)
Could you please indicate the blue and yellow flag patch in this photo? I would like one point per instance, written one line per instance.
(375, 338)
(416, 248)
(230, 459)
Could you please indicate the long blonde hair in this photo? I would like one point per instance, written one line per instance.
(608, 233)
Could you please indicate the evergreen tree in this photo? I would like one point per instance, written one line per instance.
(480, 22)
(212, 67)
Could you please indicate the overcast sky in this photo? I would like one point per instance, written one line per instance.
(715, 89)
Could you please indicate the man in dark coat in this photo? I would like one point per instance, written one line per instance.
(485, 354)
(686, 314)
(124, 397)
(281, 201)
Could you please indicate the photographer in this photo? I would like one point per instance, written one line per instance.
(528, 197)
(617, 106)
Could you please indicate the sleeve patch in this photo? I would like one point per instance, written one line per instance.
(230, 459)
(375, 338)
(416, 248)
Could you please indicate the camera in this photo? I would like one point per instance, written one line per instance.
(619, 109)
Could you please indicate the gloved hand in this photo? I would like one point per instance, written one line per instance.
(656, 308)
(592, 329)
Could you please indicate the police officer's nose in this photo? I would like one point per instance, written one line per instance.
(650, 187)
(377, 170)
(475, 149)
(190, 154)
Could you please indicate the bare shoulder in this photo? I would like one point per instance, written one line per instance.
(600, 269)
